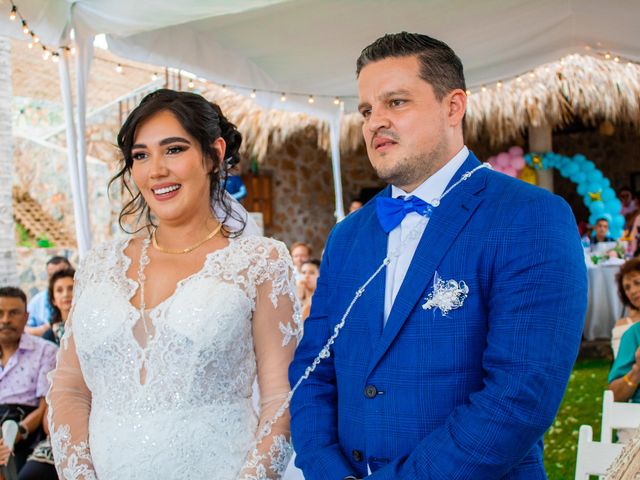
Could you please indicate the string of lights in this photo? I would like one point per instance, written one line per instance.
(195, 82)
(34, 39)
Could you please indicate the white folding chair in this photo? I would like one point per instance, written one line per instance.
(617, 415)
(594, 458)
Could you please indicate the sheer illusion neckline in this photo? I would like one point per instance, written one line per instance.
(134, 285)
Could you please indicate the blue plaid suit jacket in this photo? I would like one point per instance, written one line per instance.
(468, 395)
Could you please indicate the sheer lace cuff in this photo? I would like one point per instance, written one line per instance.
(69, 402)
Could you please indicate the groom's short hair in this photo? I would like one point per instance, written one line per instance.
(439, 65)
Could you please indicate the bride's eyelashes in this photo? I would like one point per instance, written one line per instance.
(171, 150)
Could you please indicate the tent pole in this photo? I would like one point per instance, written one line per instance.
(335, 164)
(65, 85)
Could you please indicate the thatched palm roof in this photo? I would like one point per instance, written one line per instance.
(578, 87)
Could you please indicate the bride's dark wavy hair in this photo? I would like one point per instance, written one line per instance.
(204, 121)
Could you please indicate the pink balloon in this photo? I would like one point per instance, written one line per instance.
(518, 163)
(503, 159)
(516, 151)
(511, 172)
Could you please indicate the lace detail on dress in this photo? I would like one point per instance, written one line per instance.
(74, 459)
(278, 459)
(192, 415)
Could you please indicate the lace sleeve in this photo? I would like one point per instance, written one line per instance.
(276, 321)
(69, 401)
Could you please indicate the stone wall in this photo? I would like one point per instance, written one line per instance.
(303, 198)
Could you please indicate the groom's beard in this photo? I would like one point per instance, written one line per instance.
(413, 168)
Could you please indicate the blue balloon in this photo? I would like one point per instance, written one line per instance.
(618, 221)
(606, 182)
(613, 205)
(595, 177)
(593, 187)
(578, 157)
(588, 167)
(572, 169)
(597, 207)
(582, 189)
(608, 194)
(580, 177)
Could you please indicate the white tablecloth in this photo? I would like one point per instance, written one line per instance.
(604, 306)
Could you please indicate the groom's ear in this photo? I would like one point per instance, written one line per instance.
(456, 105)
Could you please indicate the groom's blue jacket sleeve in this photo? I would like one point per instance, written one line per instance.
(535, 301)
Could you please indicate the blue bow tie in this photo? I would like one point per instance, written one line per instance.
(391, 211)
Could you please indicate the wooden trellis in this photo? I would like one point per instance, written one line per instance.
(28, 213)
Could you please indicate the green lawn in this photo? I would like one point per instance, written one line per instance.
(582, 405)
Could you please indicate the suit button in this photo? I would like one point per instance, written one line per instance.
(357, 455)
(370, 391)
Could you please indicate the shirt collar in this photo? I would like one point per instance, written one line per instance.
(27, 342)
(434, 186)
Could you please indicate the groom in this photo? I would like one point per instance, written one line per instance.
(453, 362)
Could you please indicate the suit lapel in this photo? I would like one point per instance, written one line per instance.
(441, 231)
(372, 238)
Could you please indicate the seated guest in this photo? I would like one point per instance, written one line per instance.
(39, 307)
(625, 373)
(60, 295)
(40, 464)
(300, 253)
(601, 232)
(310, 271)
(628, 279)
(26, 361)
(356, 204)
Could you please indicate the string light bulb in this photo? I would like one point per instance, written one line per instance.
(30, 45)
(191, 84)
(607, 55)
(283, 97)
(224, 88)
(311, 99)
(253, 93)
(119, 68)
(12, 15)
(154, 76)
(484, 89)
(54, 58)
(468, 92)
(45, 55)
(499, 84)
(25, 28)
(616, 59)
(336, 101)
(531, 75)
(36, 38)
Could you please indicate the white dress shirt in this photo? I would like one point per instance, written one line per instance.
(430, 189)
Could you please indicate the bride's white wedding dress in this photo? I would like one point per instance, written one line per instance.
(178, 405)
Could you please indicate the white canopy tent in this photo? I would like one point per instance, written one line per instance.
(309, 47)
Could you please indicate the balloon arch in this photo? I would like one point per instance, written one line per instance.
(594, 188)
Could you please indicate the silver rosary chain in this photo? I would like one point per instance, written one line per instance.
(325, 352)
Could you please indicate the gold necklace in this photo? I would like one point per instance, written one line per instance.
(184, 250)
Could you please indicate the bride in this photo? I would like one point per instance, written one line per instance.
(168, 330)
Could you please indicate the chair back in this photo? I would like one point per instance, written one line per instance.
(594, 458)
(617, 415)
